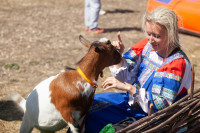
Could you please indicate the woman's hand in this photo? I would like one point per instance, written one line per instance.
(119, 46)
(113, 82)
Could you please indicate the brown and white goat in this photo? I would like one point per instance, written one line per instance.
(65, 98)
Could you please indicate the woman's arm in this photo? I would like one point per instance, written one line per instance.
(113, 82)
(169, 81)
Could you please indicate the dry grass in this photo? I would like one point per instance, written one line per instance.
(41, 37)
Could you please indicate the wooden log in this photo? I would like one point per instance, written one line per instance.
(195, 107)
(192, 82)
(150, 109)
(182, 103)
(144, 125)
(170, 119)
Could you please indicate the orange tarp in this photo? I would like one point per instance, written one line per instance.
(188, 12)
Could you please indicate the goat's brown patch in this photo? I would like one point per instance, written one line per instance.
(66, 95)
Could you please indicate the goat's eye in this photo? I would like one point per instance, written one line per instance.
(108, 42)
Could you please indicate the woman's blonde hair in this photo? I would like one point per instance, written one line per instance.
(166, 18)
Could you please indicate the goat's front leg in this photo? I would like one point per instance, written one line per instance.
(78, 126)
(68, 117)
(73, 129)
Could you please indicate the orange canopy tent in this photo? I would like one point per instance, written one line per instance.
(188, 12)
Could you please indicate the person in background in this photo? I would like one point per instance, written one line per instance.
(92, 9)
(153, 71)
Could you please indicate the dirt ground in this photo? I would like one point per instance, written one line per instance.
(38, 38)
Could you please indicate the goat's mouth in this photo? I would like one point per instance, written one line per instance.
(118, 57)
(118, 60)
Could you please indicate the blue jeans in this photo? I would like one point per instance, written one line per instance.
(92, 8)
(110, 108)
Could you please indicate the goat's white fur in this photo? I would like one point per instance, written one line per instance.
(103, 39)
(42, 114)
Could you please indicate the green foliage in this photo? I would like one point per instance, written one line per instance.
(14, 66)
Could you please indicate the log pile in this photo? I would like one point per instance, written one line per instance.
(183, 115)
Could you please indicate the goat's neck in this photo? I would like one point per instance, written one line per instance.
(91, 70)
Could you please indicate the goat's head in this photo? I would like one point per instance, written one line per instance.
(107, 54)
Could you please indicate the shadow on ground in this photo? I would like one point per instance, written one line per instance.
(10, 111)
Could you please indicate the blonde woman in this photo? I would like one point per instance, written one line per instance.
(154, 70)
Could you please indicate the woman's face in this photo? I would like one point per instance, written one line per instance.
(157, 36)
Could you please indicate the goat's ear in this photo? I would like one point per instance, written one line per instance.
(84, 41)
